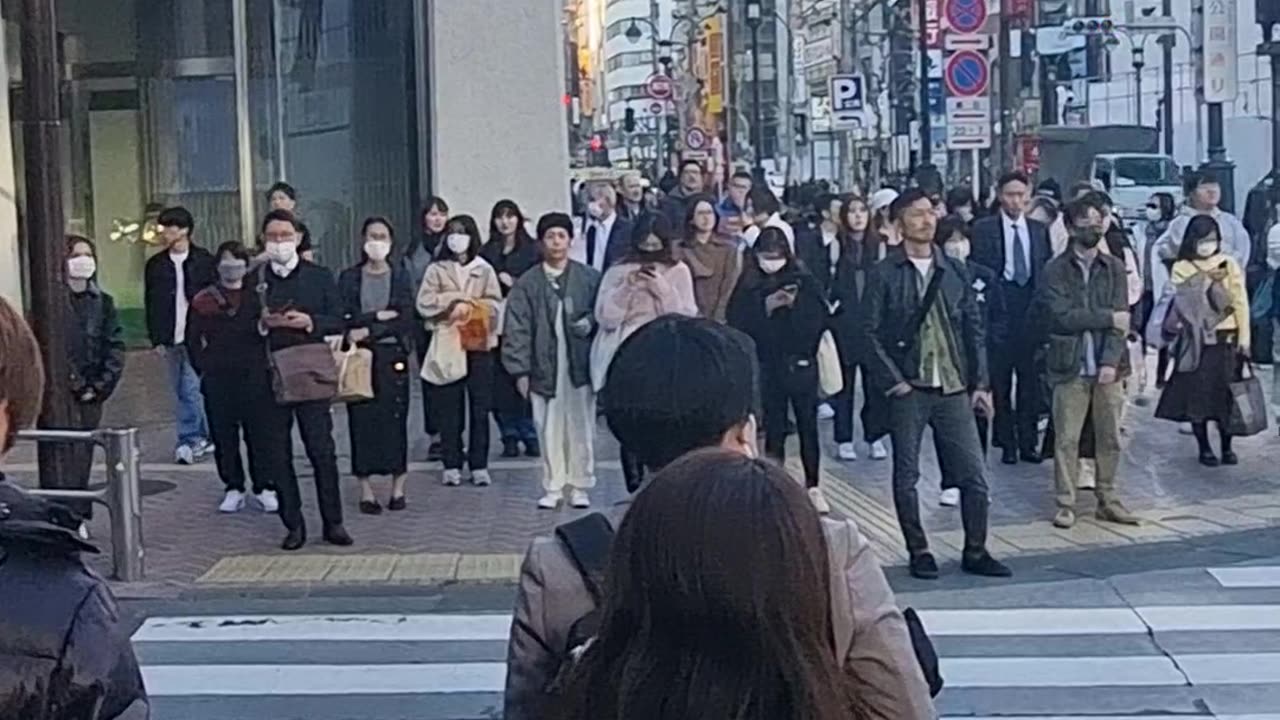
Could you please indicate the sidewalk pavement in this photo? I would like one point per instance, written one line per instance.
(479, 534)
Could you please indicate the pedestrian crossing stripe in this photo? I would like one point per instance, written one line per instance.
(1264, 576)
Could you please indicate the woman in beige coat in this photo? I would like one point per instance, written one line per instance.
(461, 290)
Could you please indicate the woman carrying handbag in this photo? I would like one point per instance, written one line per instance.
(378, 307)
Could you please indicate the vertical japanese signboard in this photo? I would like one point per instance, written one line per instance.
(1220, 78)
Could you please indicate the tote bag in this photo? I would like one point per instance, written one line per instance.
(1248, 405)
(446, 361)
(355, 371)
(830, 377)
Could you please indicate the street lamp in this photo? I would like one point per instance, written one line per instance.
(633, 32)
(754, 18)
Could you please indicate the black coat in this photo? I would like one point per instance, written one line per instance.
(526, 255)
(222, 335)
(309, 289)
(988, 245)
(96, 344)
(160, 289)
(847, 292)
(790, 333)
(892, 297)
(403, 301)
(989, 295)
(64, 654)
(815, 256)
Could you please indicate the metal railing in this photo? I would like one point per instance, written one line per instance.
(121, 495)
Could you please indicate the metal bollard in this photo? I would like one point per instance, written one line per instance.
(122, 495)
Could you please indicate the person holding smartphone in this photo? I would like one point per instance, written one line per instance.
(782, 307)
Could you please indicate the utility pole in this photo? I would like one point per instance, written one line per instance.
(1167, 42)
(925, 166)
(1218, 40)
(1268, 16)
(1139, 62)
(754, 19)
(659, 162)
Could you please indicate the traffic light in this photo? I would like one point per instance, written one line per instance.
(597, 143)
(629, 120)
(1090, 26)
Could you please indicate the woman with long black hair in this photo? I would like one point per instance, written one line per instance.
(511, 250)
(420, 253)
(378, 307)
(781, 306)
(457, 289)
(1210, 293)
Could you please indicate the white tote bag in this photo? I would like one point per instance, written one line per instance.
(603, 348)
(446, 361)
(830, 378)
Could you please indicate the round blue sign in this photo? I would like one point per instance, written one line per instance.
(966, 16)
(966, 74)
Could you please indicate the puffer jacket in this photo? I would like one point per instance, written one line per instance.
(64, 654)
(870, 631)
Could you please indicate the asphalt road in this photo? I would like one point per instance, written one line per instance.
(1185, 630)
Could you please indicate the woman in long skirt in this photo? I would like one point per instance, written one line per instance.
(378, 306)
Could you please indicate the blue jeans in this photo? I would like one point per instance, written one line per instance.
(193, 428)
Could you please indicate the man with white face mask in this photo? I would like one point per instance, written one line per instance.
(300, 305)
(605, 233)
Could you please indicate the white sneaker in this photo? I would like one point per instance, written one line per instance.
(452, 478)
(480, 478)
(825, 411)
(819, 501)
(878, 451)
(184, 455)
(580, 499)
(846, 451)
(232, 502)
(1186, 429)
(550, 501)
(203, 448)
(269, 501)
(950, 497)
(83, 532)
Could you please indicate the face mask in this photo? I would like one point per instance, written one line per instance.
(1207, 249)
(81, 267)
(232, 271)
(459, 244)
(957, 250)
(595, 210)
(377, 250)
(772, 265)
(282, 253)
(1153, 214)
(1087, 238)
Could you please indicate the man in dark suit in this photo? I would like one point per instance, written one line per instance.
(606, 235)
(1016, 249)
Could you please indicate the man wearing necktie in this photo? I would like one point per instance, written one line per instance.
(605, 232)
(1016, 249)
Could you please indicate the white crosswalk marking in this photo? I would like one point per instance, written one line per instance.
(1264, 576)
(1105, 663)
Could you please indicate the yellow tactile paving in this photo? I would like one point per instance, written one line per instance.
(426, 568)
(297, 569)
(238, 569)
(361, 569)
(488, 568)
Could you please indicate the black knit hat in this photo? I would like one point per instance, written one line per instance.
(554, 220)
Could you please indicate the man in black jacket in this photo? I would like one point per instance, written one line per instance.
(1016, 248)
(300, 305)
(171, 279)
(63, 650)
(928, 355)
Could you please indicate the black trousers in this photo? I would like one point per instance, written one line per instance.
(843, 403)
(315, 424)
(238, 406)
(632, 469)
(422, 341)
(956, 440)
(794, 386)
(1016, 418)
(453, 403)
(511, 410)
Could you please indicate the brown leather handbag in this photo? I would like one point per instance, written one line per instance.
(299, 373)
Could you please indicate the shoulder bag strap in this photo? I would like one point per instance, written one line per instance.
(588, 540)
(911, 330)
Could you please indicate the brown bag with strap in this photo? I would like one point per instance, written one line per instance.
(299, 373)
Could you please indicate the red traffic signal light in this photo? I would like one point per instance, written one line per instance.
(597, 144)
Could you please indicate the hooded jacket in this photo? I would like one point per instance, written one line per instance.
(64, 654)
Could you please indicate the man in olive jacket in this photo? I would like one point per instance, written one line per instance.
(676, 385)
(1084, 298)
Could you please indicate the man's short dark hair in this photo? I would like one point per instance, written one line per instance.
(958, 197)
(283, 216)
(1078, 209)
(763, 201)
(822, 203)
(283, 187)
(686, 163)
(679, 384)
(1013, 176)
(743, 175)
(909, 197)
(1198, 178)
(951, 225)
(178, 217)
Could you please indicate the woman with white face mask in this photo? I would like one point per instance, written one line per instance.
(377, 306)
(781, 306)
(96, 349)
(462, 291)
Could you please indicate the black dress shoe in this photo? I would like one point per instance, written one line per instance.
(1047, 452)
(1009, 456)
(1208, 459)
(985, 565)
(337, 535)
(370, 507)
(1229, 458)
(294, 540)
(397, 504)
(531, 449)
(510, 448)
(924, 567)
(435, 452)
(1031, 456)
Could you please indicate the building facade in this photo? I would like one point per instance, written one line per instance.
(365, 106)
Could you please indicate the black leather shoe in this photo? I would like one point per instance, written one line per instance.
(1009, 456)
(1229, 458)
(924, 567)
(531, 449)
(397, 504)
(1031, 456)
(294, 540)
(985, 565)
(1208, 459)
(510, 448)
(337, 535)
(1047, 452)
(370, 507)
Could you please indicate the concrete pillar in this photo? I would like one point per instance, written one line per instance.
(498, 122)
(10, 250)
